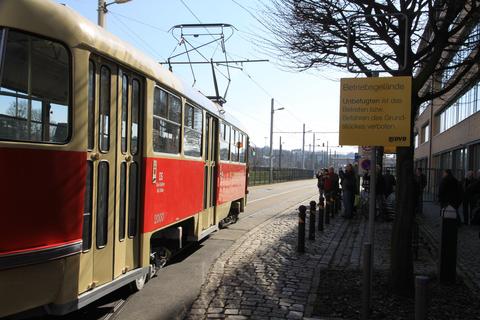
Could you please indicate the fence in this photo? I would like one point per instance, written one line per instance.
(261, 175)
(434, 176)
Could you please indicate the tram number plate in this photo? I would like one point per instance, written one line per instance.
(158, 218)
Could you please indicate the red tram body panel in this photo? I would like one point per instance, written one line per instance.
(231, 182)
(173, 191)
(42, 199)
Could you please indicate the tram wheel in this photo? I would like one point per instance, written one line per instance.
(139, 283)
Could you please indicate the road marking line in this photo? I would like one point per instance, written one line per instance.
(277, 194)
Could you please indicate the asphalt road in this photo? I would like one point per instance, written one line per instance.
(170, 294)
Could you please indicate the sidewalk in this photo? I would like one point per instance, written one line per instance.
(263, 277)
(468, 244)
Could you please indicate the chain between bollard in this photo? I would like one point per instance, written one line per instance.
(311, 228)
(301, 228)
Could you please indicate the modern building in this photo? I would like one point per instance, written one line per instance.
(447, 129)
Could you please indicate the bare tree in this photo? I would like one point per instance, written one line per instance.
(441, 43)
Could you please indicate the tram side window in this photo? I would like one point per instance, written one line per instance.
(192, 139)
(167, 116)
(104, 121)
(91, 104)
(135, 116)
(124, 112)
(34, 89)
(241, 148)
(233, 147)
(224, 141)
(87, 214)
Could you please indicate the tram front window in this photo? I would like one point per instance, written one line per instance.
(34, 88)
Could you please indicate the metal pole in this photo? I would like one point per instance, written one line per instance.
(367, 279)
(101, 13)
(328, 157)
(372, 196)
(313, 154)
(271, 142)
(280, 155)
(303, 148)
(421, 291)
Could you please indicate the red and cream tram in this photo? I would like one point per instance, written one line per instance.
(108, 162)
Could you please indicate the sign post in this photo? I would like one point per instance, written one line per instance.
(374, 112)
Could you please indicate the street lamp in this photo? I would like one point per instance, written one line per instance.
(102, 9)
(303, 146)
(272, 111)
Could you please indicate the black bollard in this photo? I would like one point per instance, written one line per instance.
(301, 228)
(421, 297)
(311, 228)
(448, 247)
(321, 209)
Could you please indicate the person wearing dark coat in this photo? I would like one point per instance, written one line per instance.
(420, 182)
(449, 192)
(469, 179)
(348, 191)
(389, 183)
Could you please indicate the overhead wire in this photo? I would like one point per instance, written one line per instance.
(138, 21)
(135, 35)
(248, 75)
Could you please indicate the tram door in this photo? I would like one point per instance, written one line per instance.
(110, 229)
(127, 239)
(210, 189)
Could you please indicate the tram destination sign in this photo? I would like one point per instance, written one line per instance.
(375, 111)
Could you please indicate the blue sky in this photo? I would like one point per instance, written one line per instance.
(308, 97)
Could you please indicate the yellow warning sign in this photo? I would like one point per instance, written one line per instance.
(375, 111)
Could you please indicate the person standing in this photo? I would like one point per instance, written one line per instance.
(420, 184)
(321, 182)
(348, 191)
(331, 191)
(449, 193)
(467, 200)
(389, 183)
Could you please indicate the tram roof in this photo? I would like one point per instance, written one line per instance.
(60, 22)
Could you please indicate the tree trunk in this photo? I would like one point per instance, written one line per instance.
(401, 265)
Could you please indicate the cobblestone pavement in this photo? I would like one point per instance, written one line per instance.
(468, 245)
(263, 277)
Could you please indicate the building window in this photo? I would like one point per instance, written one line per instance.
(192, 139)
(415, 140)
(462, 108)
(34, 89)
(463, 52)
(425, 133)
(423, 107)
(167, 115)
